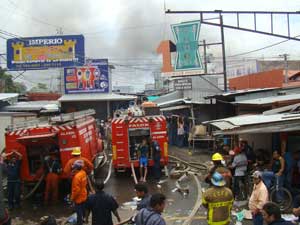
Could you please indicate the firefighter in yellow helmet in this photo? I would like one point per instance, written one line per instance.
(218, 199)
(76, 155)
(219, 167)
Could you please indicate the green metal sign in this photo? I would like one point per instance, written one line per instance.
(186, 36)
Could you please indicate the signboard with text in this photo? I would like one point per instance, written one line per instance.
(183, 84)
(92, 78)
(36, 53)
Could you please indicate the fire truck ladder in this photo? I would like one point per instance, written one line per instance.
(61, 118)
(72, 116)
(27, 124)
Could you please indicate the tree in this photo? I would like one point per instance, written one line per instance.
(7, 85)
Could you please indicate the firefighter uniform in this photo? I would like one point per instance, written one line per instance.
(218, 200)
(79, 191)
(76, 153)
(52, 168)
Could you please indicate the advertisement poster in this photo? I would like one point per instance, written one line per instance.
(92, 78)
(36, 53)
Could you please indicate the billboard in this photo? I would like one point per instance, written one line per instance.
(36, 53)
(92, 78)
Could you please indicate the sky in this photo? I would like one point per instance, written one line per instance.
(128, 32)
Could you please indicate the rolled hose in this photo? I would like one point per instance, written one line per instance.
(200, 166)
(188, 169)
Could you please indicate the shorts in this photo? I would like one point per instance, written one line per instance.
(143, 161)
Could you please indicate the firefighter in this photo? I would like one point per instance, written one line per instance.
(13, 167)
(217, 159)
(156, 154)
(76, 155)
(52, 168)
(218, 200)
(79, 190)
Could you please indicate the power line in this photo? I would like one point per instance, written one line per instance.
(259, 49)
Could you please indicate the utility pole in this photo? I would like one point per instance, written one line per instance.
(223, 53)
(205, 57)
(286, 79)
(59, 31)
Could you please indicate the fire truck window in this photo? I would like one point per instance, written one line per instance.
(136, 137)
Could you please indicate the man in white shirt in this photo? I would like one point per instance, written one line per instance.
(258, 198)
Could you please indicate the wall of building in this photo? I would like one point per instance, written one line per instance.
(100, 107)
(266, 79)
(201, 89)
(257, 141)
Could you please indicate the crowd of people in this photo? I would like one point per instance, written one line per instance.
(237, 165)
(224, 179)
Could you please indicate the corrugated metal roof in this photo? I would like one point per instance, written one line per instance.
(241, 92)
(177, 101)
(46, 106)
(94, 97)
(256, 123)
(6, 96)
(269, 100)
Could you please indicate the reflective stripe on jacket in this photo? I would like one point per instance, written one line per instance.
(219, 202)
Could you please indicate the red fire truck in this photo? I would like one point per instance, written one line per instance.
(128, 133)
(35, 139)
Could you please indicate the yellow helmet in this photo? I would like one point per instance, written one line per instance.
(76, 151)
(217, 157)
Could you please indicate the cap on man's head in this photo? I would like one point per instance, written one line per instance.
(257, 174)
(77, 165)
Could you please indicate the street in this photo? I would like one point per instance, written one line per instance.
(178, 209)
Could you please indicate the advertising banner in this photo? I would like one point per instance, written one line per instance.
(36, 53)
(92, 78)
(187, 36)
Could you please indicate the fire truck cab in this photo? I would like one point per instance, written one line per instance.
(37, 139)
(128, 131)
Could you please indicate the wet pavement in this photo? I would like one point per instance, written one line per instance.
(178, 208)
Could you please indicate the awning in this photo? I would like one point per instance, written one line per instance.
(175, 108)
(247, 124)
(37, 137)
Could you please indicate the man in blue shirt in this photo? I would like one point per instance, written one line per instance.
(152, 215)
(102, 205)
(143, 152)
(12, 168)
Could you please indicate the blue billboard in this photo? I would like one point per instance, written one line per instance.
(36, 53)
(91, 78)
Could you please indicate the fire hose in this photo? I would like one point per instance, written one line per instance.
(188, 169)
(34, 188)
